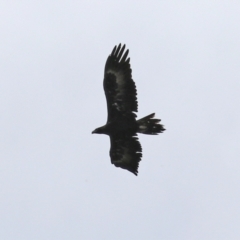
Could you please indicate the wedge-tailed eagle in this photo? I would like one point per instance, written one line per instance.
(122, 126)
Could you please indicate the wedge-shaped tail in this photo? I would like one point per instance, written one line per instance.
(149, 125)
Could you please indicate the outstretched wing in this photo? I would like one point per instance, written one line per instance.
(120, 89)
(126, 152)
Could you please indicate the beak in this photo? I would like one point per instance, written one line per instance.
(93, 132)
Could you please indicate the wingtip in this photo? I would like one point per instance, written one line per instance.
(114, 49)
(118, 47)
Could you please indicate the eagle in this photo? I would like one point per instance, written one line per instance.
(122, 126)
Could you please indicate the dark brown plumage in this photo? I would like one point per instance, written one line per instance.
(122, 126)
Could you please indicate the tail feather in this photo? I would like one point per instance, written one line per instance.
(149, 125)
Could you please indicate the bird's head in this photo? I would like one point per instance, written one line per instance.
(99, 130)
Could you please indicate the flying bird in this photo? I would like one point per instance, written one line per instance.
(122, 126)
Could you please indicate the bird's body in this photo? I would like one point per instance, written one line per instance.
(122, 126)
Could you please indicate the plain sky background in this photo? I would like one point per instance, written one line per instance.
(56, 179)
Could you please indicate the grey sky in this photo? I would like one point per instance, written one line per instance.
(56, 179)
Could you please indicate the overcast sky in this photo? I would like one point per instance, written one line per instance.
(56, 179)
